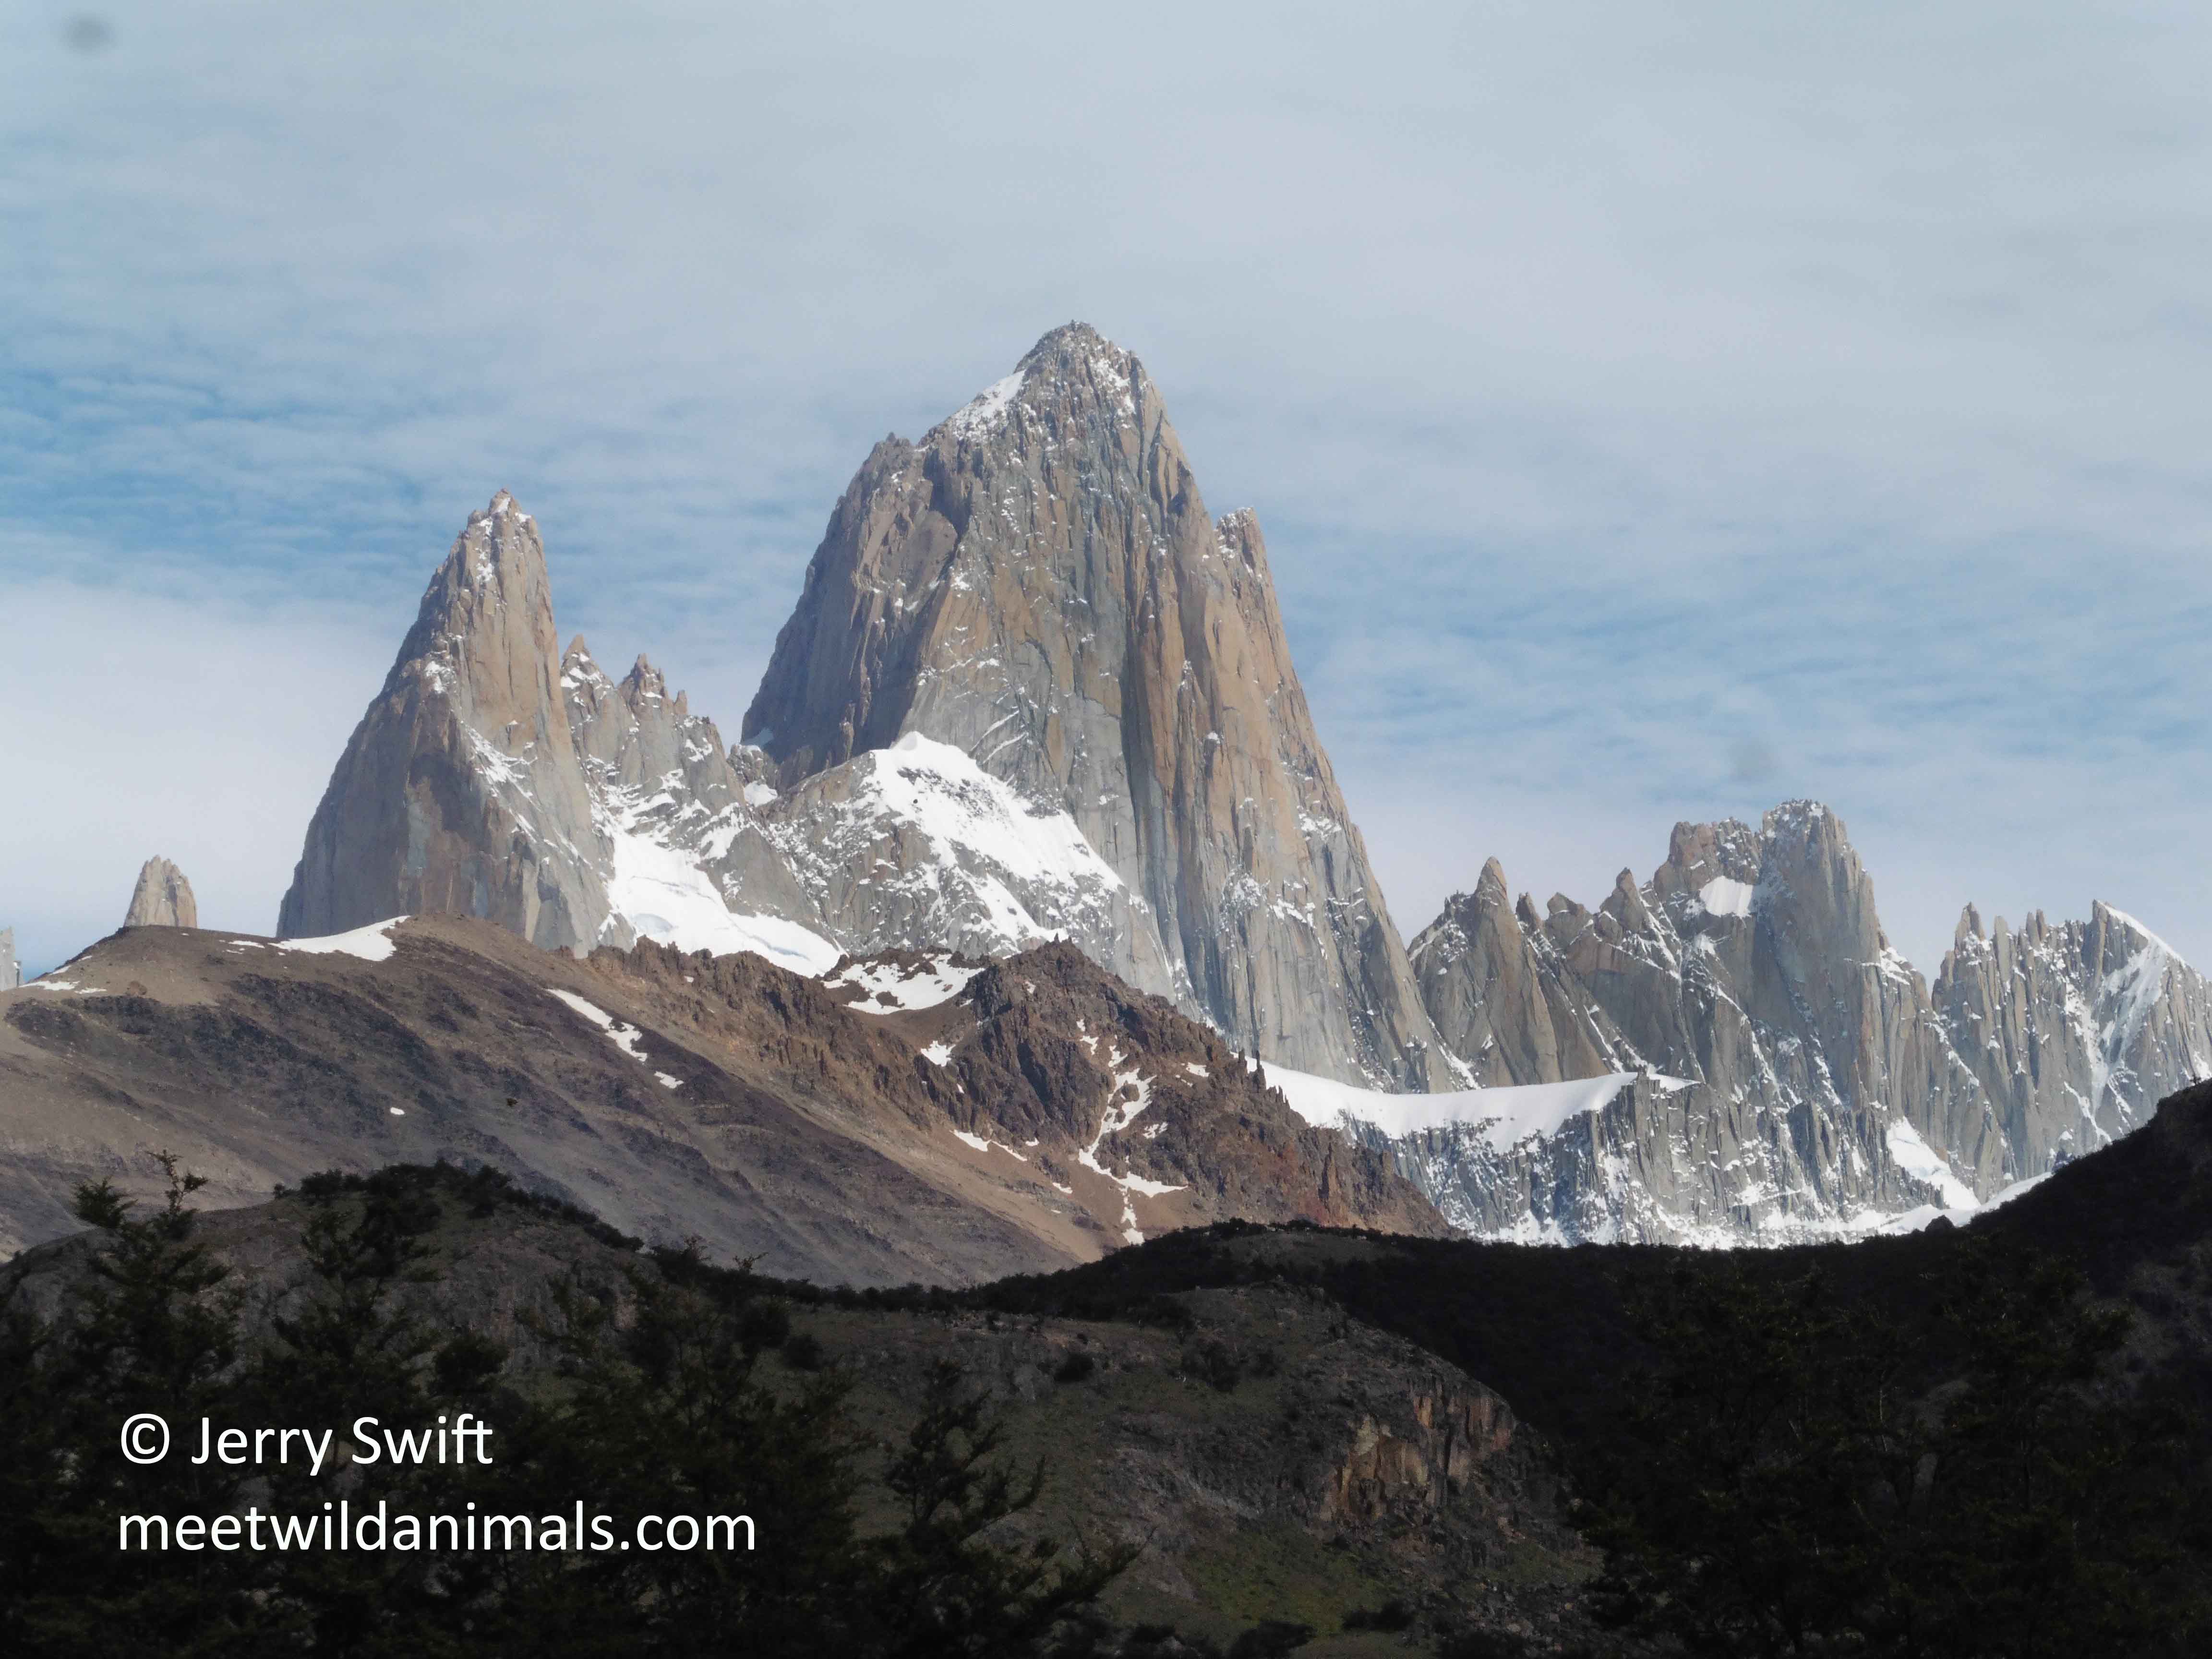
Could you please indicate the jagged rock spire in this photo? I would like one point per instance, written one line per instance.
(460, 790)
(163, 898)
(1827, 1074)
(1037, 583)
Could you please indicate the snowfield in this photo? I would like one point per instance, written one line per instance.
(1506, 1117)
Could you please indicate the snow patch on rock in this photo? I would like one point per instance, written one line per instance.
(985, 412)
(371, 944)
(625, 1036)
(1923, 1164)
(888, 988)
(1506, 1117)
(1722, 896)
(664, 894)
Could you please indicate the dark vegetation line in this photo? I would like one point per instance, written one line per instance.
(669, 1410)
(1987, 1440)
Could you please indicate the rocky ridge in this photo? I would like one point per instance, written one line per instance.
(1031, 691)
(910, 1118)
(460, 791)
(163, 898)
(1792, 1074)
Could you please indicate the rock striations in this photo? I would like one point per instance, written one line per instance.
(1037, 584)
(163, 898)
(2071, 1036)
(1826, 1087)
(460, 790)
(1031, 691)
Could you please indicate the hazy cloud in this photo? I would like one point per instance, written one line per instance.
(1651, 414)
(86, 33)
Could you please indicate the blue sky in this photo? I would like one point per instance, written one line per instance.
(1651, 416)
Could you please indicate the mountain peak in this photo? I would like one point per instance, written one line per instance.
(1048, 594)
(1073, 335)
(463, 756)
(163, 898)
(1072, 366)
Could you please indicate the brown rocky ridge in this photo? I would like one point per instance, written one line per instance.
(915, 1119)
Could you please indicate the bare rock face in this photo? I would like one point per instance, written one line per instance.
(461, 791)
(1824, 1084)
(1031, 691)
(163, 898)
(1037, 584)
(1488, 993)
(2071, 1034)
(1044, 1116)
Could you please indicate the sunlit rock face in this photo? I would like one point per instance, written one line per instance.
(1825, 1086)
(460, 790)
(1038, 584)
(163, 898)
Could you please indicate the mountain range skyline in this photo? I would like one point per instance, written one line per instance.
(1410, 858)
(1720, 412)
(1034, 694)
(1232, 828)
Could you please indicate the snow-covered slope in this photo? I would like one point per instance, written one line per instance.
(1503, 1118)
(1632, 1157)
(915, 845)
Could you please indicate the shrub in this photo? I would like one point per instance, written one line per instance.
(1391, 1615)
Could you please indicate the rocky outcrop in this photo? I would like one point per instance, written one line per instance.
(1037, 584)
(1031, 691)
(957, 1122)
(461, 791)
(2071, 1034)
(1824, 1084)
(1490, 998)
(163, 898)
(11, 971)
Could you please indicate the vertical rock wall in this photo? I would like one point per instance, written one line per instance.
(1038, 584)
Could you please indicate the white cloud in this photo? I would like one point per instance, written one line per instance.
(1612, 384)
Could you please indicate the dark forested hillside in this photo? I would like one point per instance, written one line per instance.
(1239, 1439)
(1994, 1439)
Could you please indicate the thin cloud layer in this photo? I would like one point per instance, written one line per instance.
(1623, 396)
